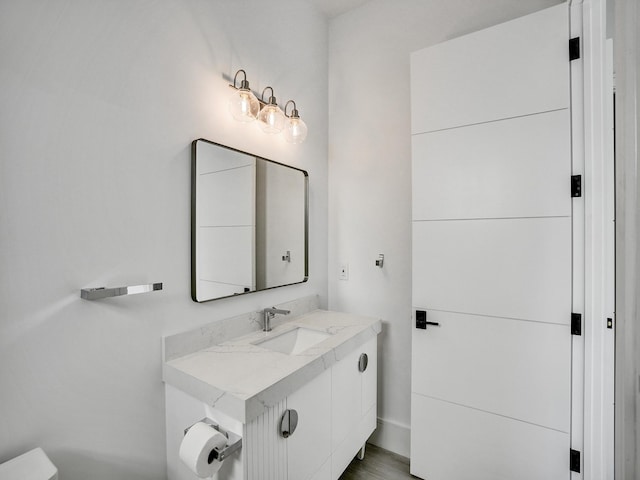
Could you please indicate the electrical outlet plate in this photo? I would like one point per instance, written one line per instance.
(343, 274)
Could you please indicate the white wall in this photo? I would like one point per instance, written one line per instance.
(370, 170)
(99, 102)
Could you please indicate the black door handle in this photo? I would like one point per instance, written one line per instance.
(421, 320)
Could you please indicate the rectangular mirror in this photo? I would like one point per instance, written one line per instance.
(249, 223)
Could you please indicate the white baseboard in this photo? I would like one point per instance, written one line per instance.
(392, 436)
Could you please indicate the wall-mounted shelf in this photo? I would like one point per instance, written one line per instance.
(105, 292)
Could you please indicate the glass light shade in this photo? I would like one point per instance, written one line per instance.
(295, 130)
(243, 105)
(271, 119)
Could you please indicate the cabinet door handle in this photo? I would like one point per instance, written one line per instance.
(288, 423)
(363, 362)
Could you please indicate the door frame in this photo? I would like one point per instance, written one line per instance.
(594, 243)
(627, 55)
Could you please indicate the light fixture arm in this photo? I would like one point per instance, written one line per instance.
(244, 84)
(272, 99)
(294, 112)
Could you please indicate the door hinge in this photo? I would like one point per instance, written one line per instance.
(574, 460)
(576, 185)
(576, 324)
(574, 48)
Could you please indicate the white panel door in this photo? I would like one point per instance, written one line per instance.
(517, 268)
(516, 451)
(476, 372)
(506, 71)
(507, 168)
(492, 253)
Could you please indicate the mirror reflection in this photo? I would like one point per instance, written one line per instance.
(248, 223)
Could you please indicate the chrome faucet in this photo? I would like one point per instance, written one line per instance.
(269, 313)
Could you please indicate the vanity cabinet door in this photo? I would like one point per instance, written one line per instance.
(370, 377)
(354, 392)
(308, 447)
(324, 473)
(346, 399)
(353, 404)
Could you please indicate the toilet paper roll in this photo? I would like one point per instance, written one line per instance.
(197, 446)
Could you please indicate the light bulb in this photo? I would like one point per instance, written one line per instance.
(271, 119)
(295, 130)
(243, 105)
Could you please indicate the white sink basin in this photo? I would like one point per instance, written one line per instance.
(294, 341)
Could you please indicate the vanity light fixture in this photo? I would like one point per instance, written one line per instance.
(270, 117)
(295, 130)
(243, 104)
(245, 107)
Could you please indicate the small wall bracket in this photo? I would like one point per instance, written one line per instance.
(234, 442)
(380, 261)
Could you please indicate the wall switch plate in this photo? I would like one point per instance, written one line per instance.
(343, 274)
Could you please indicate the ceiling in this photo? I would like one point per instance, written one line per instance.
(333, 8)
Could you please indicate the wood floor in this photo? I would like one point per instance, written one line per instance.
(378, 464)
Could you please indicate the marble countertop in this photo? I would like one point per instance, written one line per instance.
(243, 380)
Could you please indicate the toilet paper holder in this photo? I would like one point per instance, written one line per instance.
(234, 441)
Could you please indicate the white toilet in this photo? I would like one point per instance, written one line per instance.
(33, 465)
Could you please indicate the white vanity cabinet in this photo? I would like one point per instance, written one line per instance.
(336, 415)
(246, 388)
